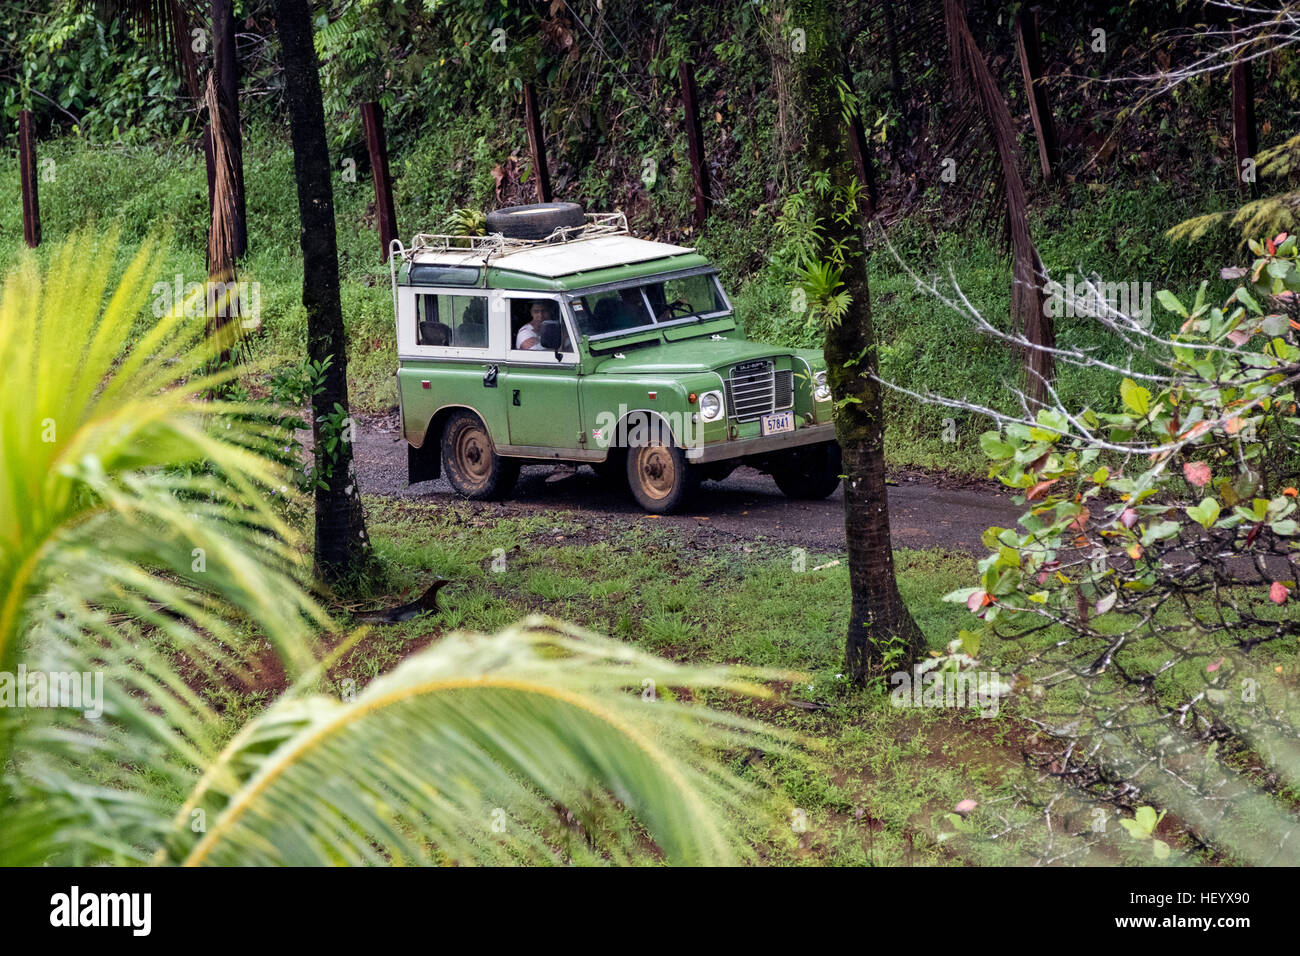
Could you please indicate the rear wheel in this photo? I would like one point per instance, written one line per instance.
(474, 468)
(811, 472)
(659, 476)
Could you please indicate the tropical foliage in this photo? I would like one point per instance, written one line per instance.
(1162, 540)
(143, 547)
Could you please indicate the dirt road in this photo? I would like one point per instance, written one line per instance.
(924, 513)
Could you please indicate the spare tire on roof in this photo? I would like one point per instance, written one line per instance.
(535, 221)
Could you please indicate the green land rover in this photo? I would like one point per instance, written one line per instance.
(561, 337)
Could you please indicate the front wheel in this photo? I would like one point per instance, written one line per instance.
(811, 473)
(659, 476)
(474, 468)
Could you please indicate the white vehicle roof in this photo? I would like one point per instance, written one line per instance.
(560, 259)
(602, 243)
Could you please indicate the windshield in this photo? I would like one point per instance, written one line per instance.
(638, 305)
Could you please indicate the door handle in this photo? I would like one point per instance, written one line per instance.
(515, 397)
(490, 377)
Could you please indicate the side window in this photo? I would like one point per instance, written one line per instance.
(535, 325)
(458, 321)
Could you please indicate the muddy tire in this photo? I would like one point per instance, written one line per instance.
(536, 220)
(470, 460)
(810, 473)
(659, 476)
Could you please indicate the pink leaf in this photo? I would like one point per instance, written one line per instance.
(977, 600)
(1211, 668)
(1197, 472)
(1278, 593)
(1128, 517)
(965, 807)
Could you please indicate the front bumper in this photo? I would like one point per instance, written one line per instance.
(744, 447)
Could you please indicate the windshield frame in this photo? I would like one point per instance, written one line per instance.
(639, 284)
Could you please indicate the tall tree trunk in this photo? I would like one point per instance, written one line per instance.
(881, 632)
(341, 542)
(225, 69)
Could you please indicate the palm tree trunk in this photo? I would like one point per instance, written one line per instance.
(341, 543)
(881, 631)
(226, 70)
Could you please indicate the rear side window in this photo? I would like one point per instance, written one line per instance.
(427, 273)
(453, 321)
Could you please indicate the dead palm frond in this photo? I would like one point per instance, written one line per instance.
(974, 84)
(165, 25)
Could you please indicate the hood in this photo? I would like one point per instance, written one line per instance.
(688, 355)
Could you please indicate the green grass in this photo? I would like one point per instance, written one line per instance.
(881, 779)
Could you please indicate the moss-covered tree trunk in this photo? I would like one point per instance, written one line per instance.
(881, 631)
(341, 543)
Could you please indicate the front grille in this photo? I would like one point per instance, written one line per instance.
(785, 388)
(754, 390)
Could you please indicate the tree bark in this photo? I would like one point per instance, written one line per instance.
(27, 178)
(881, 633)
(1243, 123)
(341, 543)
(226, 70)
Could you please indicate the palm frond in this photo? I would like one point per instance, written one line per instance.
(164, 25)
(535, 745)
(139, 547)
(124, 496)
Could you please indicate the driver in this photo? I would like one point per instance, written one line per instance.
(529, 336)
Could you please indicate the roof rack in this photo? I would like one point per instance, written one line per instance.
(596, 226)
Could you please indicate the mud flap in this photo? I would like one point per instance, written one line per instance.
(423, 464)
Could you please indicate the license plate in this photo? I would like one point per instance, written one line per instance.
(776, 423)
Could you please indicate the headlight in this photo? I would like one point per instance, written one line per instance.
(711, 406)
(822, 392)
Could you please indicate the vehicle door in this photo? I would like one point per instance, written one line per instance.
(542, 382)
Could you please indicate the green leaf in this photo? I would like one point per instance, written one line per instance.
(1146, 818)
(1204, 514)
(1135, 829)
(1170, 302)
(994, 447)
(1136, 398)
